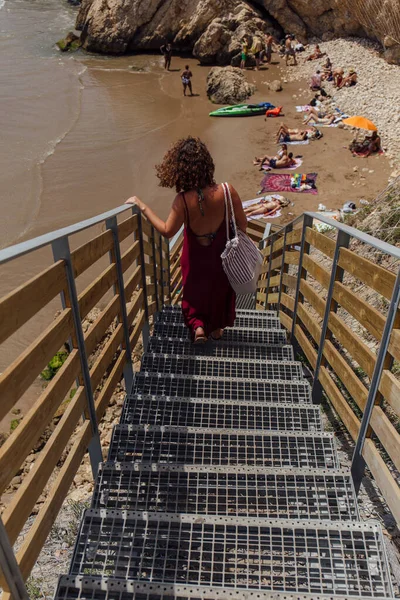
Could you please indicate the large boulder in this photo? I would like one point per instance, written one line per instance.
(228, 85)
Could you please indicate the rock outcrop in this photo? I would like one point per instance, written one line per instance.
(213, 29)
(228, 86)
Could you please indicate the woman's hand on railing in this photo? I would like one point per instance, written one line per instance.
(137, 202)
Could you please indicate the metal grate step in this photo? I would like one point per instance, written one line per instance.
(71, 587)
(183, 346)
(234, 552)
(183, 412)
(270, 494)
(188, 386)
(236, 335)
(221, 367)
(131, 443)
(250, 321)
(267, 314)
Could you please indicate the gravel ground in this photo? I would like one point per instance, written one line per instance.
(376, 95)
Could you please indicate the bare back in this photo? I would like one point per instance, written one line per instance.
(205, 216)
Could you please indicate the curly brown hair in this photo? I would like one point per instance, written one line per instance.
(187, 166)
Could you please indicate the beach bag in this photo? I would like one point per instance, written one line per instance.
(241, 259)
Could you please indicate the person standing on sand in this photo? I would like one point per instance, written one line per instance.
(256, 51)
(208, 302)
(289, 51)
(269, 40)
(186, 77)
(166, 50)
(245, 51)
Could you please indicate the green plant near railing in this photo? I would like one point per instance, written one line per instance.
(54, 365)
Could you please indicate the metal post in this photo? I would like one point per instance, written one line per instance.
(162, 272)
(288, 229)
(269, 269)
(358, 462)
(146, 328)
(342, 241)
(112, 224)
(153, 244)
(10, 568)
(307, 222)
(61, 251)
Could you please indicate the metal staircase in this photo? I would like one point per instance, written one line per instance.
(220, 482)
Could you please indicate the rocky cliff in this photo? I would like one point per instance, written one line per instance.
(211, 29)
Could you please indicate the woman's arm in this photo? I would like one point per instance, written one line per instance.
(174, 221)
(241, 219)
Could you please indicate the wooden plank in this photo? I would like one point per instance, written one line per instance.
(287, 301)
(130, 256)
(134, 307)
(98, 329)
(373, 275)
(367, 315)
(105, 358)
(151, 289)
(274, 281)
(17, 447)
(383, 477)
(134, 280)
(146, 227)
(153, 306)
(176, 251)
(306, 346)
(292, 258)
(315, 270)
(286, 321)
(18, 376)
(86, 255)
(148, 250)
(127, 227)
(43, 523)
(31, 488)
(352, 343)
(339, 403)
(292, 238)
(309, 323)
(345, 373)
(390, 389)
(394, 344)
(289, 280)
(273, 298)
(20, 305)
(387, 434)
(92, 295)
(320, 241)
(276, 263)
(261, 297)
(312, 297)
(110, 384)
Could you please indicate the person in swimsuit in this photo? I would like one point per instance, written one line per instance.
(245, 51)
(316, 54)
(289, 51)
(338, 77)
(297, 135)
(261, 160)
(266, 207)
(268, 48)
(186, 77)
(256, 51)
(320, 117)
(208, 302)
(350, 80)
(166, 50)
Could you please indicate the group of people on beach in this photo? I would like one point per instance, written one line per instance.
(186, 75)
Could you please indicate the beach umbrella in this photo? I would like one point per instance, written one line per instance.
(360, 123)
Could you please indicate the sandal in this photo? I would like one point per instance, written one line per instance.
(199, 338)
(217, 334)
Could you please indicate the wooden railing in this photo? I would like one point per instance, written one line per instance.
(125, 268)
(337, 294)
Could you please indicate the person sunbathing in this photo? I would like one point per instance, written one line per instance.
(316, 54)
(319, 117)
(285, 134)
(281, 163)
(260, 160)
(327, 74)
(349, 81)
(266, 208)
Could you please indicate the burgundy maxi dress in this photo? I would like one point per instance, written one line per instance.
(208, 299)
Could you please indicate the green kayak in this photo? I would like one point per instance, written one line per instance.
(242, 110)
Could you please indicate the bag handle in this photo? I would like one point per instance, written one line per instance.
(227, 195)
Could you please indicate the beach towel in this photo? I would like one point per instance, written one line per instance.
(274, 182)
(314, 124)
(364, 154)
(276, 214)
(299, 162)
(302, 143)
(304, 108)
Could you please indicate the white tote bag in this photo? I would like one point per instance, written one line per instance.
(241, 259)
